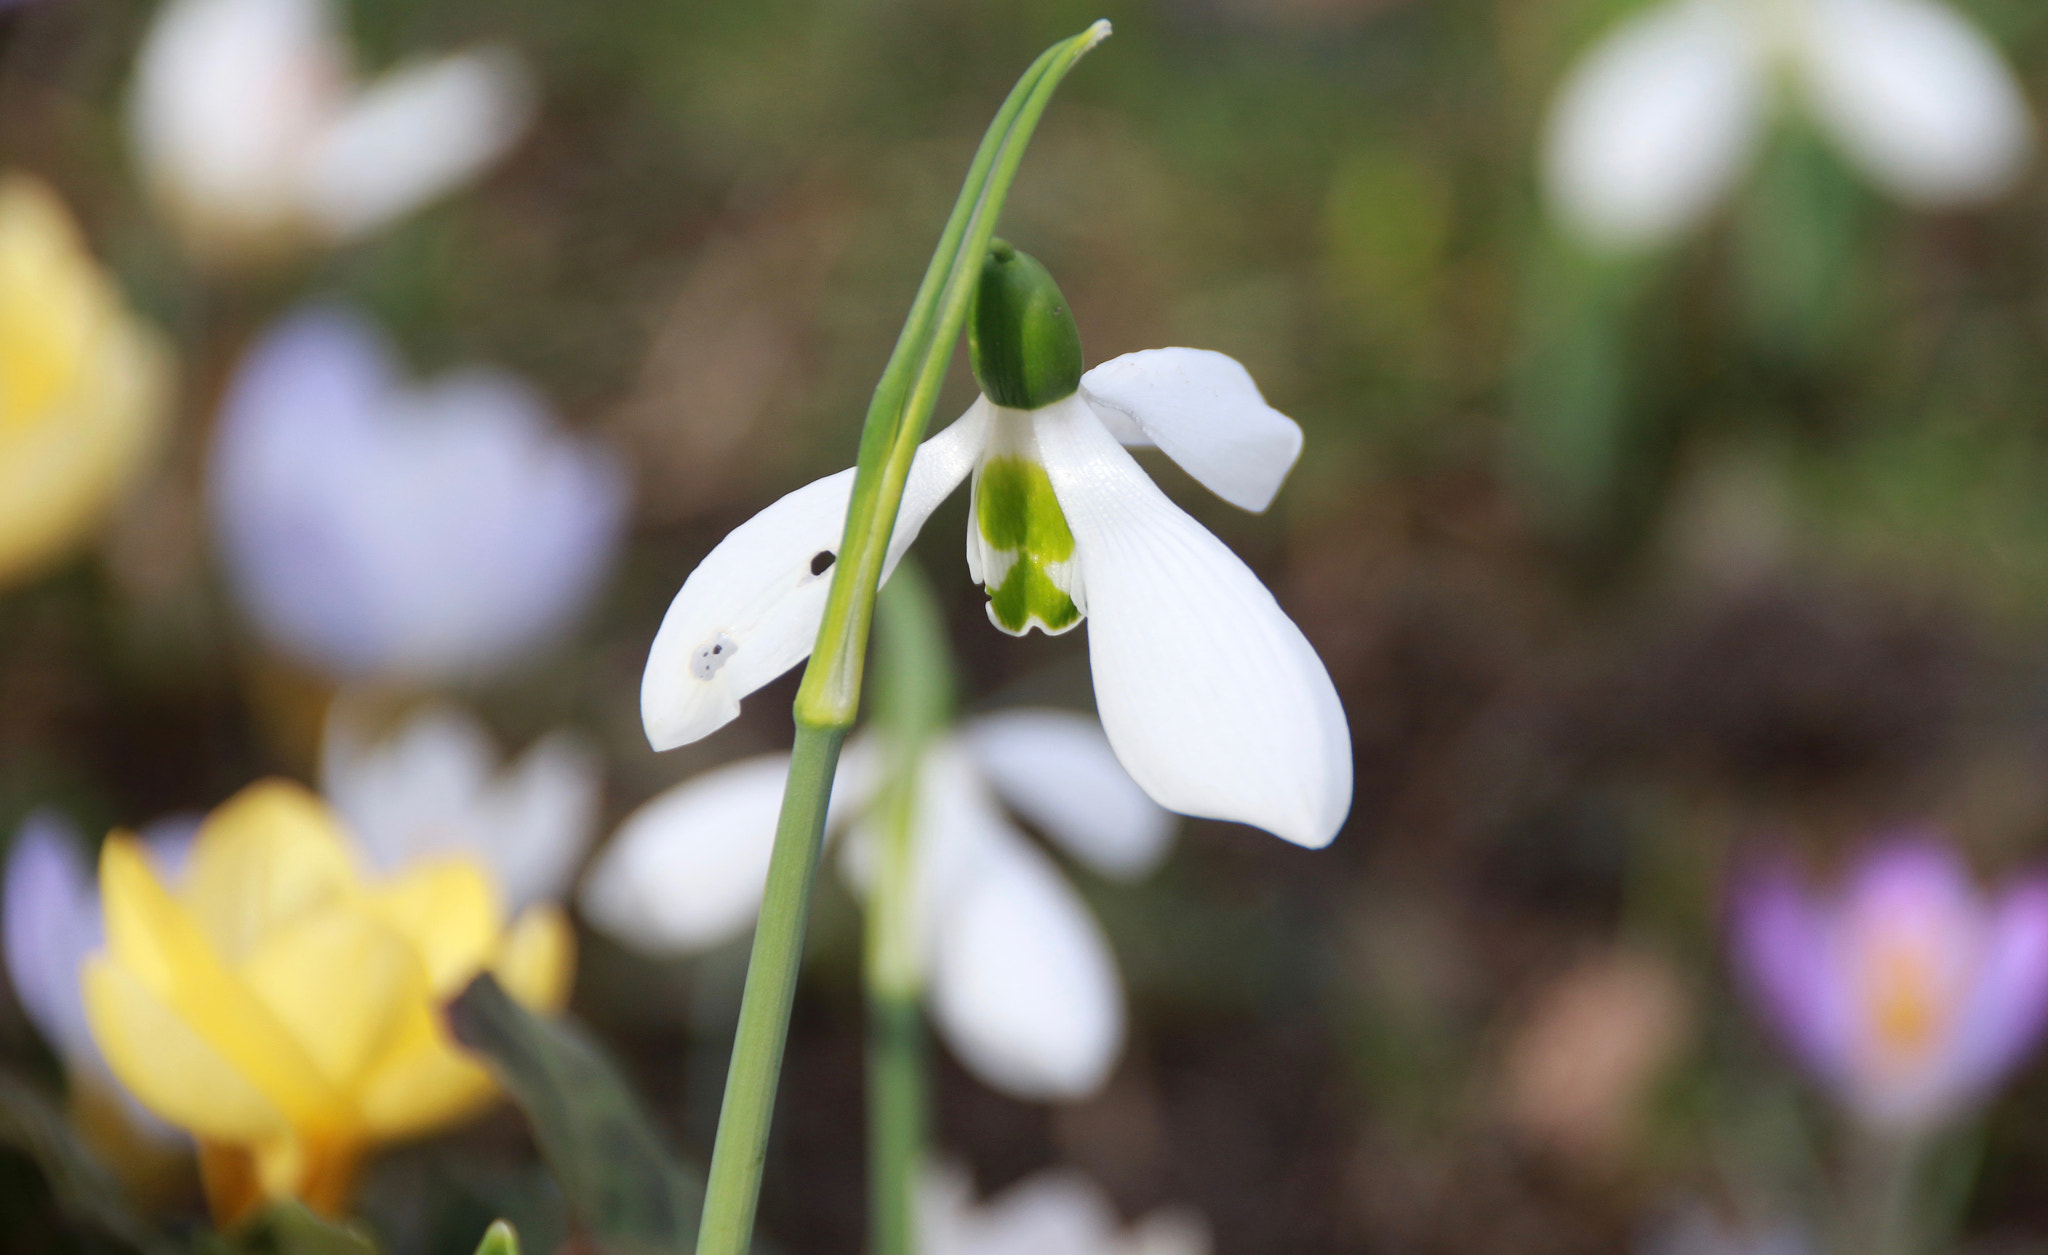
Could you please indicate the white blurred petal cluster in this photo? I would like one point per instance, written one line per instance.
(1057, 1212)
(1020, 979)
(253, 132)
(434, 785)
(1658, 122)
(1216, 703)
(413, 533)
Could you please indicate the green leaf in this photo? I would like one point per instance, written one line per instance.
(629, 1195)
(87, 1193)
(902, 404)
(288, 1228)
(499, 1239)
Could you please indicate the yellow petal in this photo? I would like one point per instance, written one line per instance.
(84, 387)
(170, 1068)
(151, 939)
(428, 1081)
(341, 982)
(268, 856)
(448, 911)
(47, 300)
(538, 960)
(425, 1083)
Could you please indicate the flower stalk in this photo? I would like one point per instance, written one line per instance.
(829, 696)
(913, 703)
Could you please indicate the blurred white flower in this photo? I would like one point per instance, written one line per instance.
(1697, 1229)
(1057, 1212)
(1658, 121)
(434, 786)
(1021, 981)
(426, 533)
(250, 129)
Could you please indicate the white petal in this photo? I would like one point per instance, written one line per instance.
(1654, 125)
(1057, 1212)
(1055, 767)
(1918, 96)
(958, 827)
(686, 871)
(1169, 1231)
(544, 811)
(413, 135)
(229, 94)
(1023, 988)
(416, 793)
(1202, 410)
(1212, 698)
(751, 609)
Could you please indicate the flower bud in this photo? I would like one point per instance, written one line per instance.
(1025, 349)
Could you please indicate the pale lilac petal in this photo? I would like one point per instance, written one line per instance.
(52, 923)
(1783, 951)
(2007, 1010)
(405, 534)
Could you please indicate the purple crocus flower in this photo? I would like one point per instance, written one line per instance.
(50, 921)
(1905, 990)
(378, 530)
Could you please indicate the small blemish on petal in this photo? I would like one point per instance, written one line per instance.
(821, 562)
(712, 655)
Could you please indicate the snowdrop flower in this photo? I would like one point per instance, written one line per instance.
(408, 533)
(1215, 702)
(282, 1006)
(433, 787)
(84, 385)
(1057, 1212)
(252, 134)
(51, 923)
(1657, 123)
(1905, 991)
(1021, 981)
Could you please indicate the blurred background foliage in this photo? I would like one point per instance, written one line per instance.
(1622, 567)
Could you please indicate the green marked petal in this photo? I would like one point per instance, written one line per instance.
(1024, 533)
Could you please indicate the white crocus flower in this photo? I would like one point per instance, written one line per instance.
(434, 786)
(249, 127)
(1215, 702)
(1057, 1212)
(1657, 123)
(1020, 979)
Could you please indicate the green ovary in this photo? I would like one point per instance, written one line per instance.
(1018, 514)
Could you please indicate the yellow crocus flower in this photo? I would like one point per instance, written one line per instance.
(83, 383)
(285, 1009)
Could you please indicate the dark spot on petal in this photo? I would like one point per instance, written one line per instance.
(822, 562)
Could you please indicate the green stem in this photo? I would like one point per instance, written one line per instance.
(734, 1184)
(829, 696)
(1886, 1188)
(913, 705)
